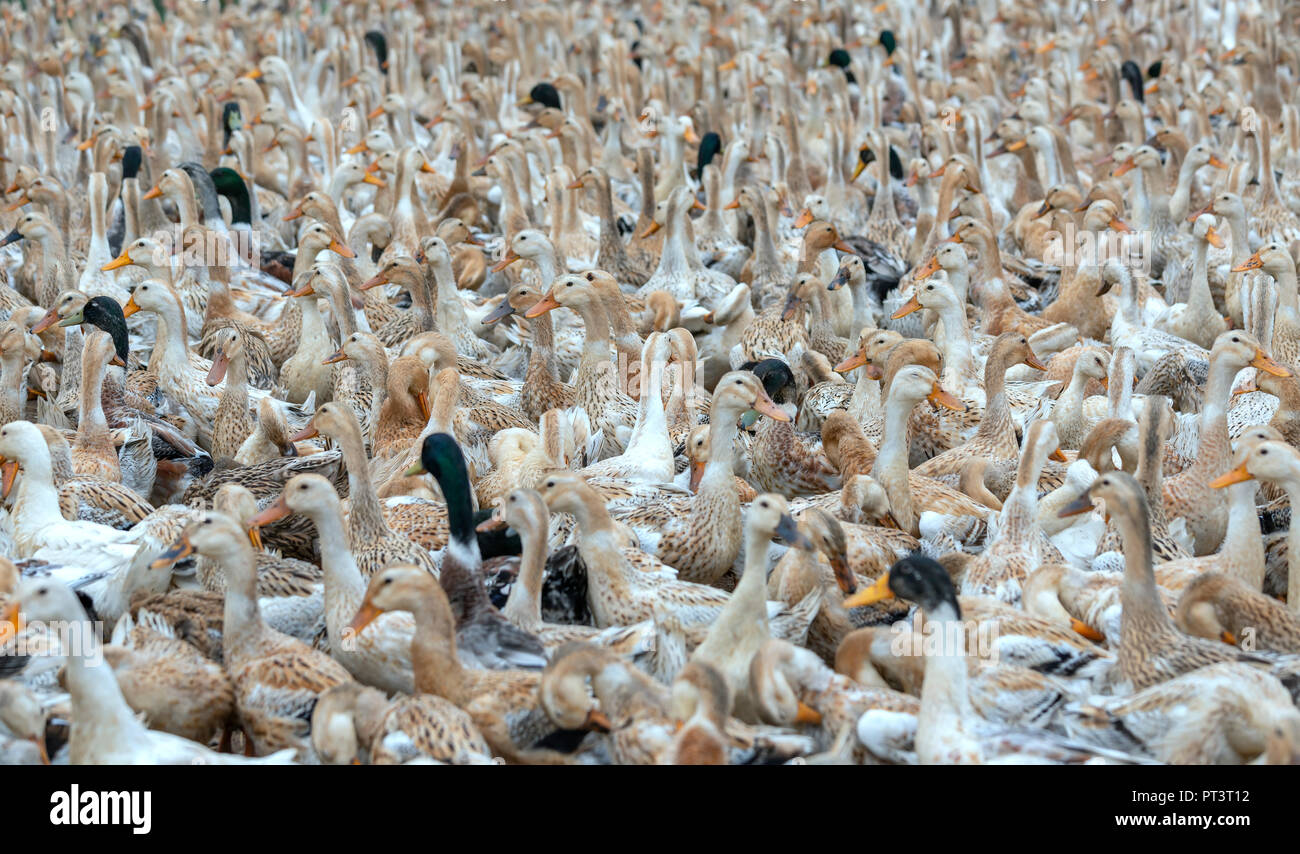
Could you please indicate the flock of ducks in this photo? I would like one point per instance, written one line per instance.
(651, 383)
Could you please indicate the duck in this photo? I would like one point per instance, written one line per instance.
(503, 704)
(354, 724)
(277, 678)
(107, 731)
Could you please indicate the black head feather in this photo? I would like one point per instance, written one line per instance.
(710, 145)
(1130, 72)
(776, 377)
(131, 159)
(839, 58)
(379, 43)
(230, 185)
(924, 581)
(1154, 69)
(105, 313)
(231, 120)
(546, 95)
(441, 457)
(888, 42)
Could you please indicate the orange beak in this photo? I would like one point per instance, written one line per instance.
(366, 615)
(805, 217)
(292, 215)
(857, 360)
(1263, 362)
(942, 398)
(1237, 475)
(1059, 456)
(907, 308)
(130, 308)
(422, 398)
(650, 229)
(1217, 163)
(8, 473)
(339, 248)
(1121, 226)
(731, 205)
(766, 406)
(543, 305)
(509, 258)
(697, 472)
(51, 317)
(120, 261)
(1254, 262)
(308, 432)
(153, 193)
(1032, 361)
(339, 356)
(926, 271)
(1217, 242)
(1084, 630)
(274, 512)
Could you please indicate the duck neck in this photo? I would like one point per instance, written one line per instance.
(719, 475)
(345, 587)
(101, 712)
(944, 698)
(524, 606)
(1199, 298)
(365, 517)
(243, 624)
(956, 346)
(612, 254)
(1213, 452)
(890, 467)
(1139, 597)
(433, 652)
(1244, 543)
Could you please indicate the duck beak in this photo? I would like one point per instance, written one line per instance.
(1059, 456)
(273, 512)
(339, 356)
(502, 311)
(1124, 167)
(597, 721)
(805, 217)
(545, 304)
(180, 549)
(47, 321)
(11, 237)
(1032, 361)
(292, 215)
(888, 521)
(8, 474)
(509, 258)
(1254, 262)
(22, 200)
(843, 247)
(120, 261)
(877, 592)
(308, 432)
(857, 360)
(1208, 209)
(254, 74)
(857, 170)
(1082, 504)
(788, 530)
(358, 148)
(841, 279)
(1263, 362)
(422, 398)
(1216, 241)
(927, 270)
(219, 365)
(131, 307)
(650, 229)
(697, 472)
(10, 621)
(907, 308)
(255, 537)
(731, 205)
(807, 714)
(366, 615)
(1120, 225)
(1237, 475)
(153, 193)
(942, 398)
(1084, 630)
(340, 249)
(791, 303)
(766, 406)
(85, 144)
(1217, 163)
